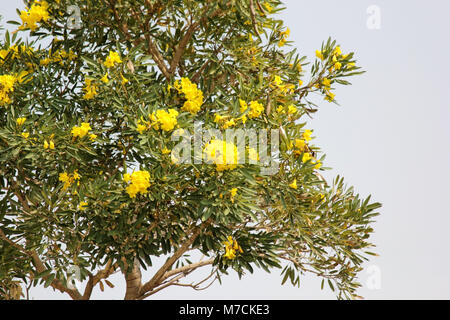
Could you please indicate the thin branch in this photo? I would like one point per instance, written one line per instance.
(156, 280)
(94, 279)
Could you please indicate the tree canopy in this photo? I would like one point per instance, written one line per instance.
(95, 97)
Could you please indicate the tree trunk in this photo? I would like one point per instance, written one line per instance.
(133, 280)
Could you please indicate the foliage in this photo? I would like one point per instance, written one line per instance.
(86, 173)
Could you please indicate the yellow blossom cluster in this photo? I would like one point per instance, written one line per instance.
(20, 121)
(224, 155)
(256, 108)
(82, 206)
(233, 193)
(283, 88)
(69, 179)
(7, 82)
(59, 56)
(112, 59)
(284, 35)
(139, 182)
(49, 144)
(37, 13)
(193, 95)
(14, 51)
(164, 120)
(301, 146)
(326, 85)
(82, 131)
(231, 247)
(90, 89)
(227, 121)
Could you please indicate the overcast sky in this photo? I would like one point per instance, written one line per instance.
(389, 138)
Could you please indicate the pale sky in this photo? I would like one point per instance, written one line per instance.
(389, 138)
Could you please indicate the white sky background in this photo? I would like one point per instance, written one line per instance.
(389, 138)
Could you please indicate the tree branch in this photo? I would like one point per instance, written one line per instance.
(93, 280)
(156, 280)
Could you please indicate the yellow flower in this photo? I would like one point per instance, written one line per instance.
(140, 182)
(37, 13)
(141, 128)
(112, 59)
(7, 83)
(284, 36)
(300, 83)
(243, 105)
(330, 96)
(306, 157)
(124, 80)
(337, 51)
(105, 78)
(318, 165)
(307, 135)
(326, 82)
(268, 7)
(81, 131)
(193, 95)
(90, 90)
(68, 179)
(45, 144)
(82, 205)
(293, 185)
(231, 246)
(165, 151)
(20, 121)
(224, 155)
(166, 120)
(319, 54)
(278, 81)
(229, 123)
(25, 135)
(126, 177)
(253, 154)
(292, 109)
(256, 109)
(92, 136)
(233, 193)
(218, 118)
(338, 65)
(51, 145)
(300, 144)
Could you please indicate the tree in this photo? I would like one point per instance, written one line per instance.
(92, 103)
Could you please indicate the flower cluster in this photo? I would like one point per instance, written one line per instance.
(228, 121)
(6, 87)
(256, 108)
(284, 36)
(90, 89)
(193, 95)
(15, 51)
(82, 131)
(112, 59)
(233, 193)
(231, 246)
(165, 120)
(69, 179)
(283, 88)
(37, 13)
(139, 182)
(59, 56)
(301, 146)
(224, 155)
